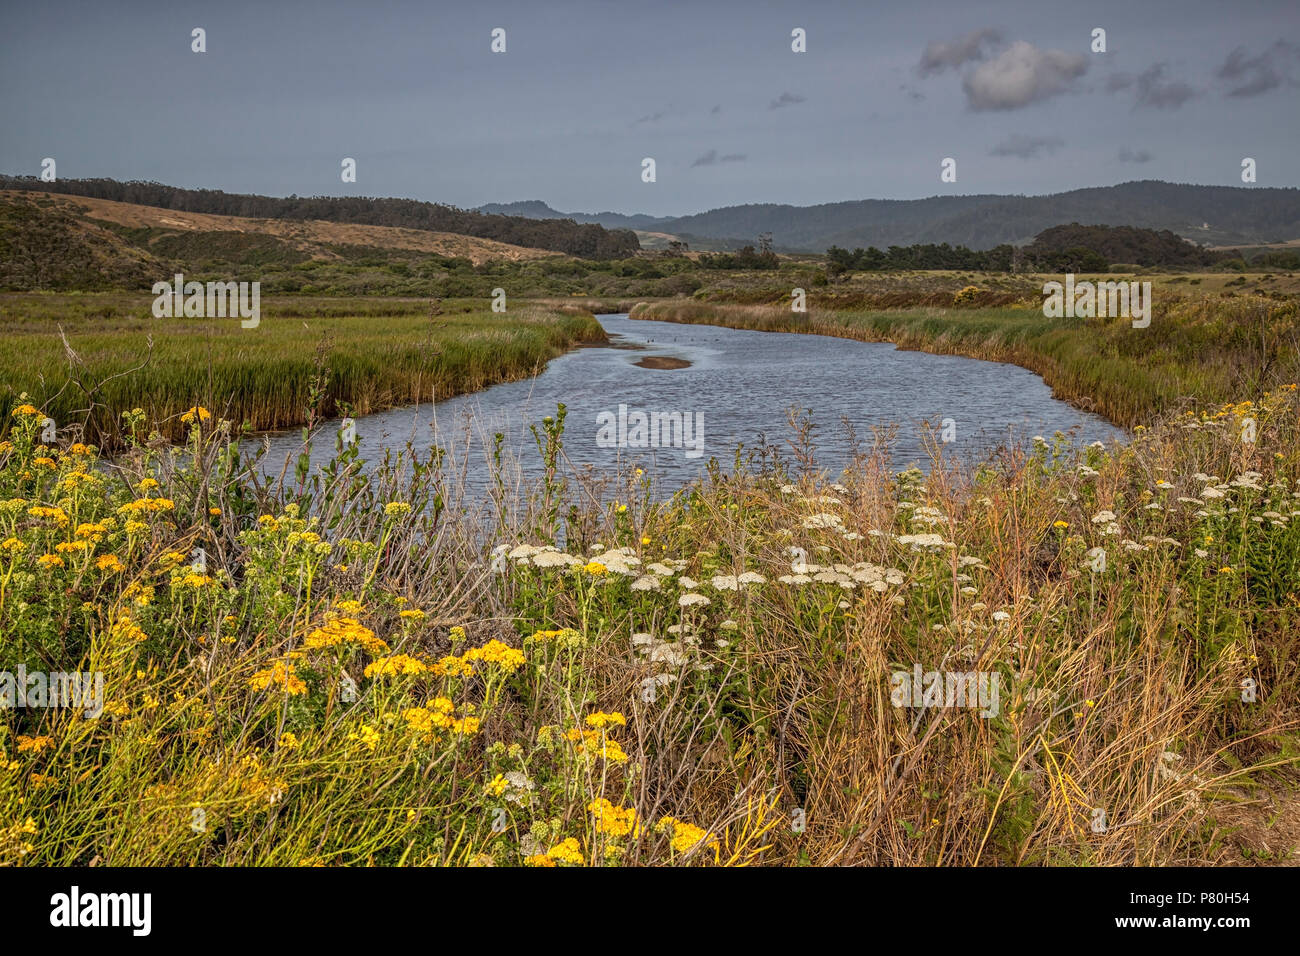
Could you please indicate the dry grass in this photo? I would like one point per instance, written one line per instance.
(310, 236)
(751, 724)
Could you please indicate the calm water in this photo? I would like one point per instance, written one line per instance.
(739, 386)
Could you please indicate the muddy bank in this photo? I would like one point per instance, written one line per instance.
(662, 362)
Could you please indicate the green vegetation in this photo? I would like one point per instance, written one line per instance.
(1202, 349)
(1072, 248)
(1055, 249)
(588, 241)
(307, 359)
(46, 248)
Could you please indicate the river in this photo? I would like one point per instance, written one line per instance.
(736, 388)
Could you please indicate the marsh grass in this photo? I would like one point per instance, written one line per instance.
(1207, 349)
(82, 359)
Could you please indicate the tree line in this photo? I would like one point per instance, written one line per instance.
(1065, 248)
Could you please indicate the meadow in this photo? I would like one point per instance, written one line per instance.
(84, 357)
(347, 672)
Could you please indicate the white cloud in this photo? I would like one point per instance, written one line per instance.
(1020, 75)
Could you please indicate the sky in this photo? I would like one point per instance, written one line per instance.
(712, 91)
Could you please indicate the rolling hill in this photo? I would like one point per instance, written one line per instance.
(587, 241)
(64, 242)
(312, 236)
(1213, 215)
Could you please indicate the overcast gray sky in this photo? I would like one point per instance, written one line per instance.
(711, 90)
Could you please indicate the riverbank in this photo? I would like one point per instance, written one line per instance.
(1197, 350)
(78, 357)
(708, 680)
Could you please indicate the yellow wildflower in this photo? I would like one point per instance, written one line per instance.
(685, 836)
(345, 630)
(57, 515)
(452, 666)
(398, 664)
(567, 851)
(593, 743)
(494, 652)
(283, 673)
(614, 821)
(368, 736)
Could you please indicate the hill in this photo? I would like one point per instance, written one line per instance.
(1126, 244)
(1207, 215)
(44, 246)
(536, 209)
(586, 241)
(61, 243)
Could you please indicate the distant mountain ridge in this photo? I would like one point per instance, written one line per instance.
(536, 209)
(1214, 215)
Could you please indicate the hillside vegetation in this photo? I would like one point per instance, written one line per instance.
(584, 241)
(46, 247)
(1143, 247)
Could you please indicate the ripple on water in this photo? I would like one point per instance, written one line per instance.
(738, 386)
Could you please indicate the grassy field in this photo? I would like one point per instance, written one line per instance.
(84, 358)
(342, 670)
(354, 676)
(1204, 348)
